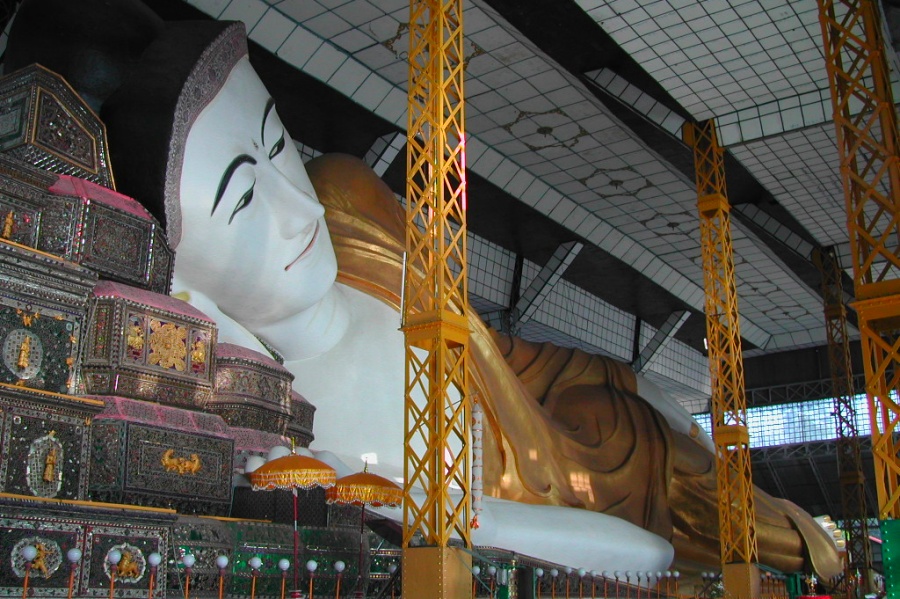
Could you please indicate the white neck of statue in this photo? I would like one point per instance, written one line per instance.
(310, 332)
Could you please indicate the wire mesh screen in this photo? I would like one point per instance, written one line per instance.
(278, 506)
(799, 422)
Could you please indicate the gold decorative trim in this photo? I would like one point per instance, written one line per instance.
(135, 337)
(80, 502)
(27, 318)
(168, 345)
(182, 466)
(73, 398)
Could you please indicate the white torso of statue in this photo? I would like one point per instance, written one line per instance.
(359, 388)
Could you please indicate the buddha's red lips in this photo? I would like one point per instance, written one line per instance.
(306, 250)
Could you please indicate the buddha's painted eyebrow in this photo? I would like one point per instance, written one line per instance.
(270, 104)
(226, 178)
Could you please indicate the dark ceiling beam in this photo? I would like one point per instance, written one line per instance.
(660, 338)
(796, 375)
(384, 151)
(537, 291)
(795, 452)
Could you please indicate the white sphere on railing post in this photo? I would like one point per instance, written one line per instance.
(222, 563)
(339, 568)
(539, 572)
(29, 552)
(476, 570)
(311, 565)
(554, 572)
(255, 563)
(74, 556)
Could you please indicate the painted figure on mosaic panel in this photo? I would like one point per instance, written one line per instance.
(584, 463)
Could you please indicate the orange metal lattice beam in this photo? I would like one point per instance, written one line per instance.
(850, 472)
(435, 326)
(737, 521)
(866, 127)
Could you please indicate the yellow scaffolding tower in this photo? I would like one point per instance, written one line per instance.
(866, 126)
(737, 519)
(435, 301)
(858, 560)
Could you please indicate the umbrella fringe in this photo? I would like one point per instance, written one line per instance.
(373, 496)
(291, 480)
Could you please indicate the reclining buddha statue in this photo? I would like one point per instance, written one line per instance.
(585, 463)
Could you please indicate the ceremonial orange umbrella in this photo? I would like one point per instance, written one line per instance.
(365, 488)
(362, 489)
(292, 472)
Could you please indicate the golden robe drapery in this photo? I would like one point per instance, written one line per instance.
(563, 427)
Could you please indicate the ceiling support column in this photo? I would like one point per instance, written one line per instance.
(866, 127)
(435, 311)
(737, 516)
(858, 565)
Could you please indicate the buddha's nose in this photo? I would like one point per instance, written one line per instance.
(295, 208)
(298, 214)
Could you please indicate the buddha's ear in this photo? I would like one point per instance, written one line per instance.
(91, 43)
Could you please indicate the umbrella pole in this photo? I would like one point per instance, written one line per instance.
(362, 526)
(296, 544)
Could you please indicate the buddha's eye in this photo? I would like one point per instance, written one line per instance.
(242, 203)
(278, 148)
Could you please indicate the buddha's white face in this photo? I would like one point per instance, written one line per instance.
(254, 238)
